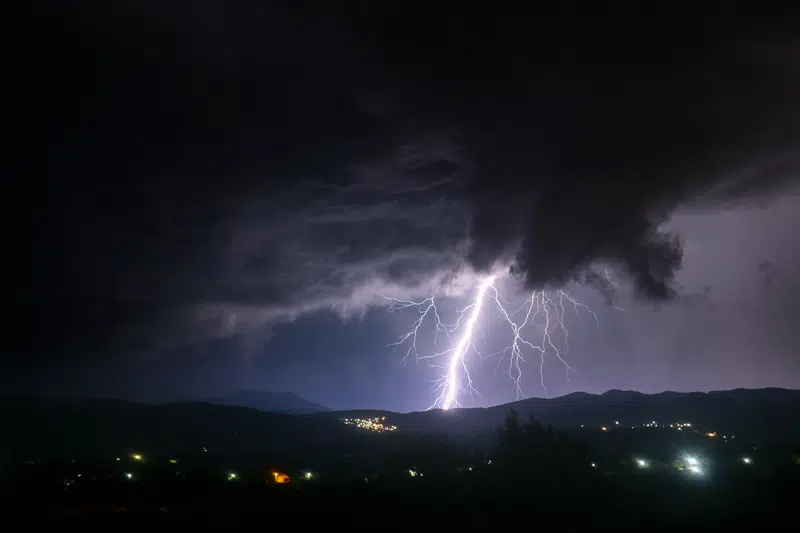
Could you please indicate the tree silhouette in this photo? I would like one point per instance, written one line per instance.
(531, 448)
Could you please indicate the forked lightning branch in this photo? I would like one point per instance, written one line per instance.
(537, 328)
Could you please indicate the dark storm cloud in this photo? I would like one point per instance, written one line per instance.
(209, 168)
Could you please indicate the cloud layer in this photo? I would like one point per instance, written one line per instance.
(217, 168)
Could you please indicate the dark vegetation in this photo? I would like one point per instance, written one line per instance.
(194, 461)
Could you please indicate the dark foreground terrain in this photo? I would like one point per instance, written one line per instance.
(614, 461)
(653, 502)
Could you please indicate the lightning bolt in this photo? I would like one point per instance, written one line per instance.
(540, 330)
(613, 285)
(551, 307)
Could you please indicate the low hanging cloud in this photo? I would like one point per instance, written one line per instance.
(270, 164)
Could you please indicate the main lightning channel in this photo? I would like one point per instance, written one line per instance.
(543, 315)
(457, 359)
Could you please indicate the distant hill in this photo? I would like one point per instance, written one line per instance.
(47, 427)
(274, 402)
(764, 414)
(752, 411)
(50, 426)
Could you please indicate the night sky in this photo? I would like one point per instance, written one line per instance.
(221, 193)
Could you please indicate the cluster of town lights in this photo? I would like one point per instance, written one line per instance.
(680, 426)
(652, 424)
(376, 424)
(689, 463)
